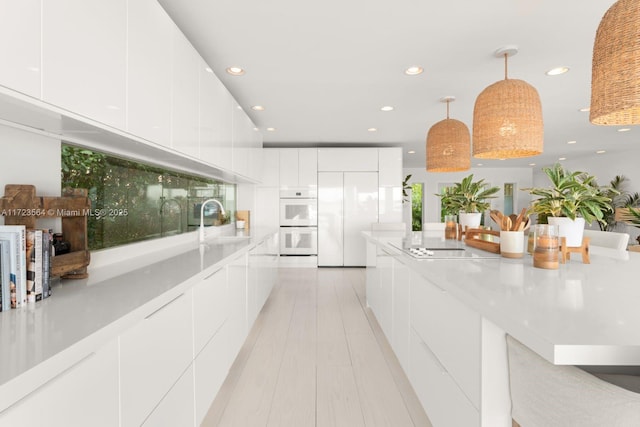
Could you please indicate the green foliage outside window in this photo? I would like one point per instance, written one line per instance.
(132, 201)
(416, 206)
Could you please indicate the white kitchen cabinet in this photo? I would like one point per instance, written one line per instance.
(153, 355)
(242, 128)
(330, 219)
(299, 167)
(451, 330)
(210, 307)
(390, 184)
(347, 205)
(384, 313)
(360, 211)
(85, 394)
(443, 401)
(84, 63)
(237, 320)
(347, 159)
(401, 310)
(20, 37)
(211, 368)
(270, 168)
(177, 406)
(215, 120)
(255, 152)
(185, 96)
(149, 67)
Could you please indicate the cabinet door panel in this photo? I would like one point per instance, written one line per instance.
(210, 308)
(451, 330)
(84, 58)
(390, 184)
(237, 323)
(347, 159)
(288, 167)
(330, 219)
(308, 167)
(360, 210)
(401, 310)
(211, 368)
(84, 395)
(150, 59)
(445, 404)
(153, 355)
(176, 408)
(20, 71)
(185, 98)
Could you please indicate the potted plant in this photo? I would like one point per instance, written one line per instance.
(572, 200)
(468, 199)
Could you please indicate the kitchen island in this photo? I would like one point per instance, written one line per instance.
(446, 319)
(139, 341)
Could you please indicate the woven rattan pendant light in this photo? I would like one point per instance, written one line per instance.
(448, 144)
(615, 72)
(507, 118)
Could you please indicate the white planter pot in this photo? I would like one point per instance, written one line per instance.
(569, 228)
(471, 220)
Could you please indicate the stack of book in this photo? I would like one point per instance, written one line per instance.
(25, 265)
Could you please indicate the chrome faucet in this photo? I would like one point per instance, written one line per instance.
(202, 216)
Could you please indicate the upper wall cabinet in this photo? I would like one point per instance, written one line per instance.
(84, 49)
(20, 46)
(390, 184)
(185, 99)
(216, 104)
(149, 70)
(241, 140)
(298, 167)
(347, 159)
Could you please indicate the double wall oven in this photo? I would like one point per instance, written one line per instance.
(298, 221)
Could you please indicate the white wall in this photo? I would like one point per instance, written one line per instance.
(30, 158)
(522, 177)
(605, 167)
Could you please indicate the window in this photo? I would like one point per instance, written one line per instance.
(508, 198)
(416, 206)
(132, 201)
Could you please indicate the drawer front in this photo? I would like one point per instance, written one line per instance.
(211, 369)
(401, 313)
(176, 408)
(210, 307)
(153, 355)
(451, 330)
(85, 394)
(384, 312)
(443, 401)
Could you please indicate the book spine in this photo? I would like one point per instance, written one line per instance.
(38, 267)
(46, 263)
(31, 265)
(21, 279)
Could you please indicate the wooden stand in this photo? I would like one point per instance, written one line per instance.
(566, 251)
(21, 206)
(473, 238)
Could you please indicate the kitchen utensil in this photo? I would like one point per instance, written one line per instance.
(519, 219)
(506, 223)
(496, 216)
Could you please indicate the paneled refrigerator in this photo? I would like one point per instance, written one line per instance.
(347, 205)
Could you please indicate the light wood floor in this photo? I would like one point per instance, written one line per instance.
(316, 357)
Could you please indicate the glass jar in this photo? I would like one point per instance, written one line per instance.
(546, 253)
(450, 227)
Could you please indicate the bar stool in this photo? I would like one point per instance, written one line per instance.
(548, 395)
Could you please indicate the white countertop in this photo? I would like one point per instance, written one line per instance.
(579, 314)
(106, 303)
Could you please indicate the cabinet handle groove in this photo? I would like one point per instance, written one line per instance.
(163, 307)
(212, 274)
(433, 357)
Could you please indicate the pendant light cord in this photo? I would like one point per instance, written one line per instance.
(505, 66)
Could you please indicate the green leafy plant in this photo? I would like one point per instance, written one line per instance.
(416, 206)
(620, 198)
(405, 188)
(571, 195)
(467, 196)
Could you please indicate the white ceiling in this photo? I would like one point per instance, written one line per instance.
(322, 70)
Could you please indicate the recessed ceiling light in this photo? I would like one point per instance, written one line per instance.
(271, 129)
(585, 109)
(235, 71)
(208, 70)
(600, 152)
(562, 158)
(571, 142)
(414, 70)
(479, 164)
(532, 164)
(624, 130)
(557, 71)
(501, 159)
(372, 129)
(112, 107)
(257, 108)
(411, 151)
(387, 108)
(256, 129)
